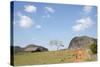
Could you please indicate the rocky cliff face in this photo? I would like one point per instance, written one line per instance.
(81, 42)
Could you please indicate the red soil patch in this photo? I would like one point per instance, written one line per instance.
(80, 55)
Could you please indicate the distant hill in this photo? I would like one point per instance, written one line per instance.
(35, 48)
(82, 42)
(29, 48)
(18, 49)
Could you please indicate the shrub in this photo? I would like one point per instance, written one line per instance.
(93, 48)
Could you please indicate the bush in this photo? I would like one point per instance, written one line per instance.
(93, 48)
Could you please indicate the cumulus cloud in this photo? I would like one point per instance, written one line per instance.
(30, 8)
(49, 9)
(82, 24)
(25, 21)
(38, 26)
(87, 9)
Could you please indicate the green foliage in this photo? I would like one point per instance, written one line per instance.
(93, 48)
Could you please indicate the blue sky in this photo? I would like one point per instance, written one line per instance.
(39, 23)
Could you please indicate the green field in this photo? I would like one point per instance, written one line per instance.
(50, 57)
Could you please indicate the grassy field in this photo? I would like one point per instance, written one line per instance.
(51, 57)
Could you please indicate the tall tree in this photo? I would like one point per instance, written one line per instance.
(56, 43)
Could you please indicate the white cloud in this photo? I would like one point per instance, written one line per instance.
(30, 8)
(82, 24)
(38, 26)
(49, 9)
(48, 12)
(25, 21)
(87, 9)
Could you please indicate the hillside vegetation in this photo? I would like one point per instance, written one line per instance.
(52, 57)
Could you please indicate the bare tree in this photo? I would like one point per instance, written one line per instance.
(56, 43)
